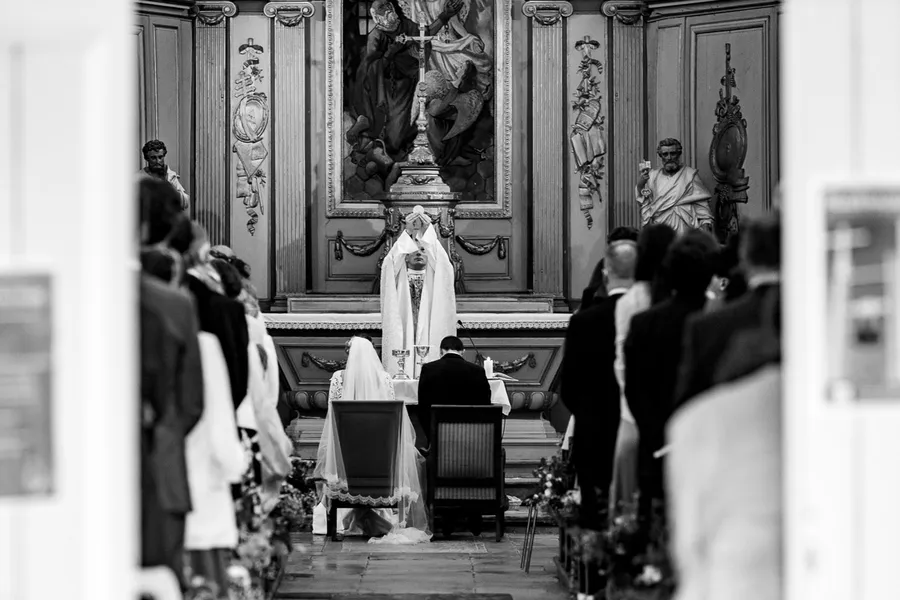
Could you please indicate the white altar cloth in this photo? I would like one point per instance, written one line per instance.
(408, 391)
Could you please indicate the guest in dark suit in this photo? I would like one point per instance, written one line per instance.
(451, 380)
(708, 335)
(589, 387)
(171, 384)
(653, 354)
(597, 285)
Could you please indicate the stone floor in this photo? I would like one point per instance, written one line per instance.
(462, 565)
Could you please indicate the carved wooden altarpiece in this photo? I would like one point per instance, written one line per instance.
(726, 155)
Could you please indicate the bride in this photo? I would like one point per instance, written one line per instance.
(365, 379)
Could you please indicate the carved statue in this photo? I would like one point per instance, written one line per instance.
(673, 194)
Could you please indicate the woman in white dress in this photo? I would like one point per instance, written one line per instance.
(365, 379)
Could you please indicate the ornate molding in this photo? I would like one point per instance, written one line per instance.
(727, 152)
(213, 12)
(375, 325)
(335, 206)
(510, 366)
(588, 145)
(627, 12)
(498, 242)
(326, 365)
(289, 14)
(547, 12)
(358, 249)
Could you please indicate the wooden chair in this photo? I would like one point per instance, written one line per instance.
(368, 434)
(466, 462)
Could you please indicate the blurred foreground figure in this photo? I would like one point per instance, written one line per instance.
(723, 475)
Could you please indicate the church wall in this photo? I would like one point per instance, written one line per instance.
(585, 243)
(163, 47)
(686, 62)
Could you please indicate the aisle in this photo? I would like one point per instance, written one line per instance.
(462, 565)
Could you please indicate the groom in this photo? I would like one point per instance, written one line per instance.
(418, 304)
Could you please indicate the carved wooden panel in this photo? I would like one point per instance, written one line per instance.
(685, 65)
(165, 85)
(752, 49)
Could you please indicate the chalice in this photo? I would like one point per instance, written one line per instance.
(421, 352)
(401, 355)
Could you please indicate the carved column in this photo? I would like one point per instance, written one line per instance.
(211, 206)
(627, 107)
(548, 141)
(289, 157)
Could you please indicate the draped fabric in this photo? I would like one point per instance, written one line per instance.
(274, 444)
(365, 379)
(215, 457)
(680, 201)
(437, 308)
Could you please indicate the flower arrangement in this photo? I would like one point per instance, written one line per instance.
(553, 494)
(633, 559)
(265, 540)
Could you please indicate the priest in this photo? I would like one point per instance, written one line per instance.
(418, 303)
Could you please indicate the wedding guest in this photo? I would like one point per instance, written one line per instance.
(219, 315)
(596, 287)
(728, 282)
(589, 387)
(653, 355)
(723, 474)
(171, 387)
(708, 335)
(216, 460)
(652, 246)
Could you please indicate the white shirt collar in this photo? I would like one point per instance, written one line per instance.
(761, 279)
(615, 291)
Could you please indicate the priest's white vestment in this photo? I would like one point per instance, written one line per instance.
(437, 308)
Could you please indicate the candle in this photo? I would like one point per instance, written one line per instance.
(488, 367)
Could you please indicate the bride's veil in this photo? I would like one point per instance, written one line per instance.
(365, 379)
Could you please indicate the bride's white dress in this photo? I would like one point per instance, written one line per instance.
(366, 379)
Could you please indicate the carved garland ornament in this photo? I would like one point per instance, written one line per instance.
(503, 126)
(326, 365)
(510, 366)
(213, 12)
(482, 249)
(586, 138)
(289, 14)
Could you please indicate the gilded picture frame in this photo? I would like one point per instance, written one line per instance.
(339, 204)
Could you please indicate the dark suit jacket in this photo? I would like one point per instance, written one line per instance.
(589, 387)
(451, 380)
(224, 318)
(652, 358)
(172, 384)
(707, 336)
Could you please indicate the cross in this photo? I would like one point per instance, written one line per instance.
(422, 39)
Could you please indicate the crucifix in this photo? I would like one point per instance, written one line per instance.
(421, 153)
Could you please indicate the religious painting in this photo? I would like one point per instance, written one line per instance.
(382, 55)
(863, 307)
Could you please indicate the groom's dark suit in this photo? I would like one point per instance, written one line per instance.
(451, 380)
